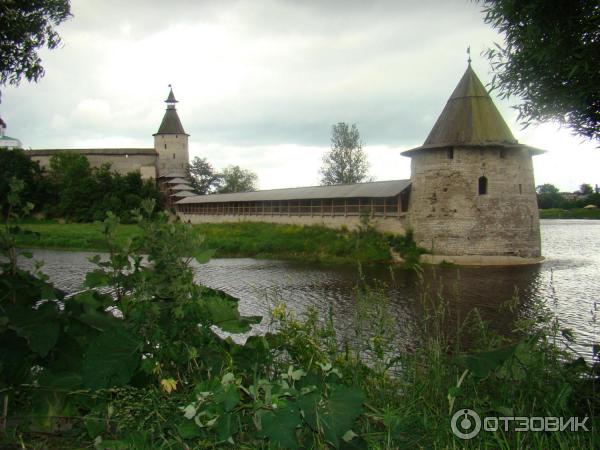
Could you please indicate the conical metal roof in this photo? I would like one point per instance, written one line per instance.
(469, 118)
(171, 97)
(171, 124)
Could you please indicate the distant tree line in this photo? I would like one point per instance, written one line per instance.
(548, 196)
(207, 180)
(71, 189)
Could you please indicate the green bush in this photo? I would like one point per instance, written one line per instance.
(158, 375)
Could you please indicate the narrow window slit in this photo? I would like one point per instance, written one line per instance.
(483, 185)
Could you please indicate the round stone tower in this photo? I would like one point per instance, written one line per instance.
(473, 193)
(171, 142)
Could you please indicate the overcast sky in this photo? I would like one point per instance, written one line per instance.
(260, 83)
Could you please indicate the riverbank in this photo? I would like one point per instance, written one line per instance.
(155, 379)
(576, 213)
(246, 239)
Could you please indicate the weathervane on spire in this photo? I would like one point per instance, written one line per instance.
(171, 98)
(469, 53)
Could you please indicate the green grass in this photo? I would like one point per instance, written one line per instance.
(576, 213)
(245, 239)
(308, 243)
(403, 398)
(71, 236)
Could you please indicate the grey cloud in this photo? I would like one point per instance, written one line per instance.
(386, 65)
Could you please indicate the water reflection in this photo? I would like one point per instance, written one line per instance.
(566, 283)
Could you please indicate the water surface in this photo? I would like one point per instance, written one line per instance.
(567, 283)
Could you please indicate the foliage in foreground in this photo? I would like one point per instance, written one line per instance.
(549, 60)
(15, 163)
(156, 375)
(27, 27)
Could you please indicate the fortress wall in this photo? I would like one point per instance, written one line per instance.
(385, 225)
(450, 217)
(121, 163)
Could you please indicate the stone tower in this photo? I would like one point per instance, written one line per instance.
(171, 142)
(473, 193)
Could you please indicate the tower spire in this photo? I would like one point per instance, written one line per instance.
(170, 101)
(171, 123)
(468, 53)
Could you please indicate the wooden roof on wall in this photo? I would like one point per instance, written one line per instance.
(374, 189)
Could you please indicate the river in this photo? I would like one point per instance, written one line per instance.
(567, 283)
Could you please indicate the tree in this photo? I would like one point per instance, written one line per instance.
(236, 179)
(346, 162)
(548, 196)
(25, 27)
(15, 163)
(84, 194)
(550, 59)
(205, 179)
(546, 189)
(71, 177)
(586, 189)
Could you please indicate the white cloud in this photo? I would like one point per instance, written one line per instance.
(93, 110)
(260, 83)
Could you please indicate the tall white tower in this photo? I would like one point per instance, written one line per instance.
(171, 142)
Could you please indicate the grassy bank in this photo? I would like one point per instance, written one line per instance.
(304, 386)
(307, 243)
(576, 213)
(246, 239)
(71, 236)
(74, 375)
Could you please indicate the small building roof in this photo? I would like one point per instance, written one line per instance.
(374, 189)
(93, 151)
(7, 141)
(183, 194)
(173, 174)
(178, 181)
(181, 187)
(470, 118)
